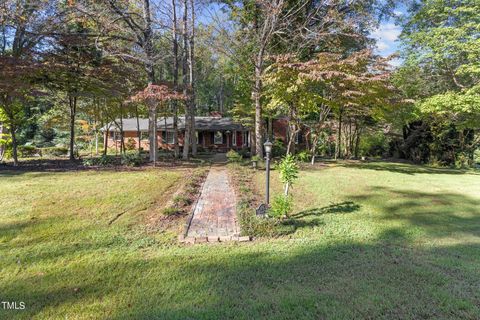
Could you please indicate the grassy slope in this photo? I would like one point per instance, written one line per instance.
(374, 241)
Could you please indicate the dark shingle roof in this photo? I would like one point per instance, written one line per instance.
(201, 123)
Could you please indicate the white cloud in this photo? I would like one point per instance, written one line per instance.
(387, 31)
(382, 46)
(398, 13)
(397, 62)
(386, 35)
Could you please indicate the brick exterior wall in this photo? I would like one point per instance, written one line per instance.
(205, 140)
(280, 130)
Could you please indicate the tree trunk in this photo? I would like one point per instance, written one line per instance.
(153, 134)
(122, 133)
(251, 139)
(105, 142)
(258, 148)
(193, 138)
(357, 143)
(148, 41)
(175, 80)
(339, 137)
(95, 124)
(287, 187)
(73, 111)
(96, 142)
(2, 146)
(293, 130)
(291, 141)
(139, 133)
(13, 133)
(220, 98)
(307, 140)
(270, 129)
(348, 143)
(187, 135)
(148, 48)
(314, 148)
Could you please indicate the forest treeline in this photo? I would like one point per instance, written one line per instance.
(68, 68)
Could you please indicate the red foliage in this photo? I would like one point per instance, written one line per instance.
(154, 94)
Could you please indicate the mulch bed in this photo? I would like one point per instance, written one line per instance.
(64, 165)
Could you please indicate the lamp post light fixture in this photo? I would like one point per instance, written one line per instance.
(268, 151)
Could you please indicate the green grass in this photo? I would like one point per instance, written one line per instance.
(382, 241)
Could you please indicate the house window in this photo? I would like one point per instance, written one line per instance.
(298, 138)
(117, 136)
(218, 138)
(111, 135)
(144, 136)
(234, 139)
(167, 137)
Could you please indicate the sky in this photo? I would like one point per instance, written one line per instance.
(387, 35)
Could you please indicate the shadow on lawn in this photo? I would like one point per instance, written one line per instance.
(389, 276)
(382, 280)
(438, 214)
(342, 207)
(404, 168)
(9, 231)
(386, 279)
(298, 221)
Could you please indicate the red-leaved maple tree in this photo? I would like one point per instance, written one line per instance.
(154, 96)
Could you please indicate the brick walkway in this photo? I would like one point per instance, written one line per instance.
(215, 213)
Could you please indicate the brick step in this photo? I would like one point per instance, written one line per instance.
(210, 239)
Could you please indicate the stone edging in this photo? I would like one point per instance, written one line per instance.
(194, 240)
(192, 211)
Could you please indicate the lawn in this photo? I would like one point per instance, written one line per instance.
(379, 240)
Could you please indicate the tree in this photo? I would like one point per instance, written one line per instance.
(129, 25)
(192, 79)
(15, 90)
(300, 27)
(288, 168)
(186, 83)
(175, 77)
(155, 96)
(442, 55)
(259, 21)
(351, 87)
(290, 94)
(74, 67)
(24, 25)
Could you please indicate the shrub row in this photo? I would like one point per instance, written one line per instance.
(104, 160)
(32, 151)
(250, 224)
(181, 202)
(234, 156)
(54, 151)
(131, 159)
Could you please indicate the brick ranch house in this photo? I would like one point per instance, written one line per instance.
(214, 133)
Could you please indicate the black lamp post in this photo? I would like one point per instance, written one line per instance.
(268, 151)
